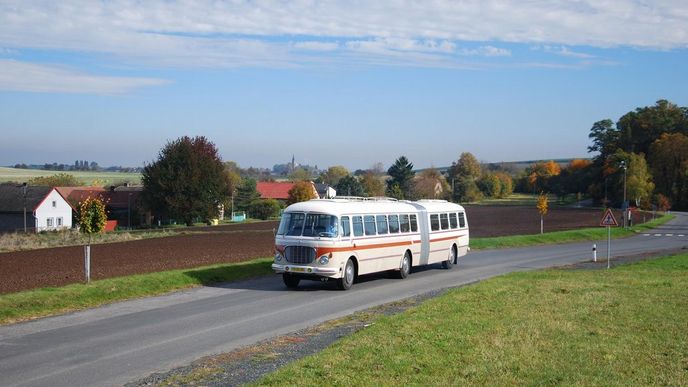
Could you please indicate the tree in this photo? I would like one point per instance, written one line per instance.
(542, 206)
(605, 138)
(430, 184)
(467, 167)
(349, 186)
(506, 184)
(639, 182)
(265, 208)
(91, 215)
(246, 195)
(669, 164)
(301, 192)
(539, 174)
(401, 173)
(490, 185)
(187, 181)
(333, 174)
(466, 190)
(463, 175)
(300, 174)
(372, 184)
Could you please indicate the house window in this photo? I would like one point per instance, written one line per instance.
(49, 222)
(58, 222)
(54, 204)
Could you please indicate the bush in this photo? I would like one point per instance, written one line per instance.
(265, 208)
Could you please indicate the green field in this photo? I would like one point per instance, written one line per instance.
(625, 326)
(87, 177)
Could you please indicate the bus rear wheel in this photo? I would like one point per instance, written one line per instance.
(451, 260)
(291, 281)
(347, 279)
(405, 268)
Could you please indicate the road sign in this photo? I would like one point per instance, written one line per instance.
(608, 219)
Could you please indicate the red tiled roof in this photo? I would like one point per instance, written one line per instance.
(114, 199)
(274, 190)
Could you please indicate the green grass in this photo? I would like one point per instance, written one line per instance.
(87, 177)
(625, 326)
(583, 234)
(50, 301)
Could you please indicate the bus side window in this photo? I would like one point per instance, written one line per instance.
(404, 223)
(393, 224)
(414, 223)
(369, 222)
(462, 220)
(452, 220)
(358, 225)
(382, 224)
(434, 222)
(346, 228)
(444, 221)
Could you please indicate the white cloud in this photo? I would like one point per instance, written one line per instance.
(22, 76)
(564, 51)
(485, 51)
(210, 33)
(316, 46)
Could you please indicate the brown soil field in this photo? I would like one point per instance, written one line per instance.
(231, 243)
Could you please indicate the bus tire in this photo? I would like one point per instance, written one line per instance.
(348, 277)
(451, 260)
(405, 267)
(291, 281)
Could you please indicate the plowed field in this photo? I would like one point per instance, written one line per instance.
(232, 243)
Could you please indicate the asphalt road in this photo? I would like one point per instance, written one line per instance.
(123, 342)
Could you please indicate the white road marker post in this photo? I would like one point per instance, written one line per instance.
(594, 252)
(87, 262)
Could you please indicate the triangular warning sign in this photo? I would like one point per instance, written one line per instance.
(608, 219)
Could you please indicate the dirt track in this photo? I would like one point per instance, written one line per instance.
(233, 243)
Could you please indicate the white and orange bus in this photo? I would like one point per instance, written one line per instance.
(341, 238)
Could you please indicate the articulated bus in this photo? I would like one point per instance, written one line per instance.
(342, 238)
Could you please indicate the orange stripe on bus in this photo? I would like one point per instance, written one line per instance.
(326, 250)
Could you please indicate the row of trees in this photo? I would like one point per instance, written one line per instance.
(648, 145)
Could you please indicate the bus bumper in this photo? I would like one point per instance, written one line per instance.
(307, 270)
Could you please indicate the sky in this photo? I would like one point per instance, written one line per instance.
(347, 83)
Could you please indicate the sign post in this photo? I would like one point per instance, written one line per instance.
(608, 220)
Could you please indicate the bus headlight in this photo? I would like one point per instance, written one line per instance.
(324, 260)
(278, 256)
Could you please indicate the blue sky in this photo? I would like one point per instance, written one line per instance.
(334, 83)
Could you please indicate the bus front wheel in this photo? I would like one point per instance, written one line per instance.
(347, 279)
(291, 281)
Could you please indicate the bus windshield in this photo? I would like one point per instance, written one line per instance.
(310, 225)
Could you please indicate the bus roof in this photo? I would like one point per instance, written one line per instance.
(344, 206)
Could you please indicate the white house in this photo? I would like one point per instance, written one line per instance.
(37, 208)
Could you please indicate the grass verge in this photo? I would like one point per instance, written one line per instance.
(50, 301)
(625, 326)
(583, 234)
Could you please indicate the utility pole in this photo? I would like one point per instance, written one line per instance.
(625, 205)
(24, 189)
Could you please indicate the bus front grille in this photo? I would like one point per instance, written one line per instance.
(300, 255)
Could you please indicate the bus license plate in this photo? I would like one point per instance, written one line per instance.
(298, 269)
